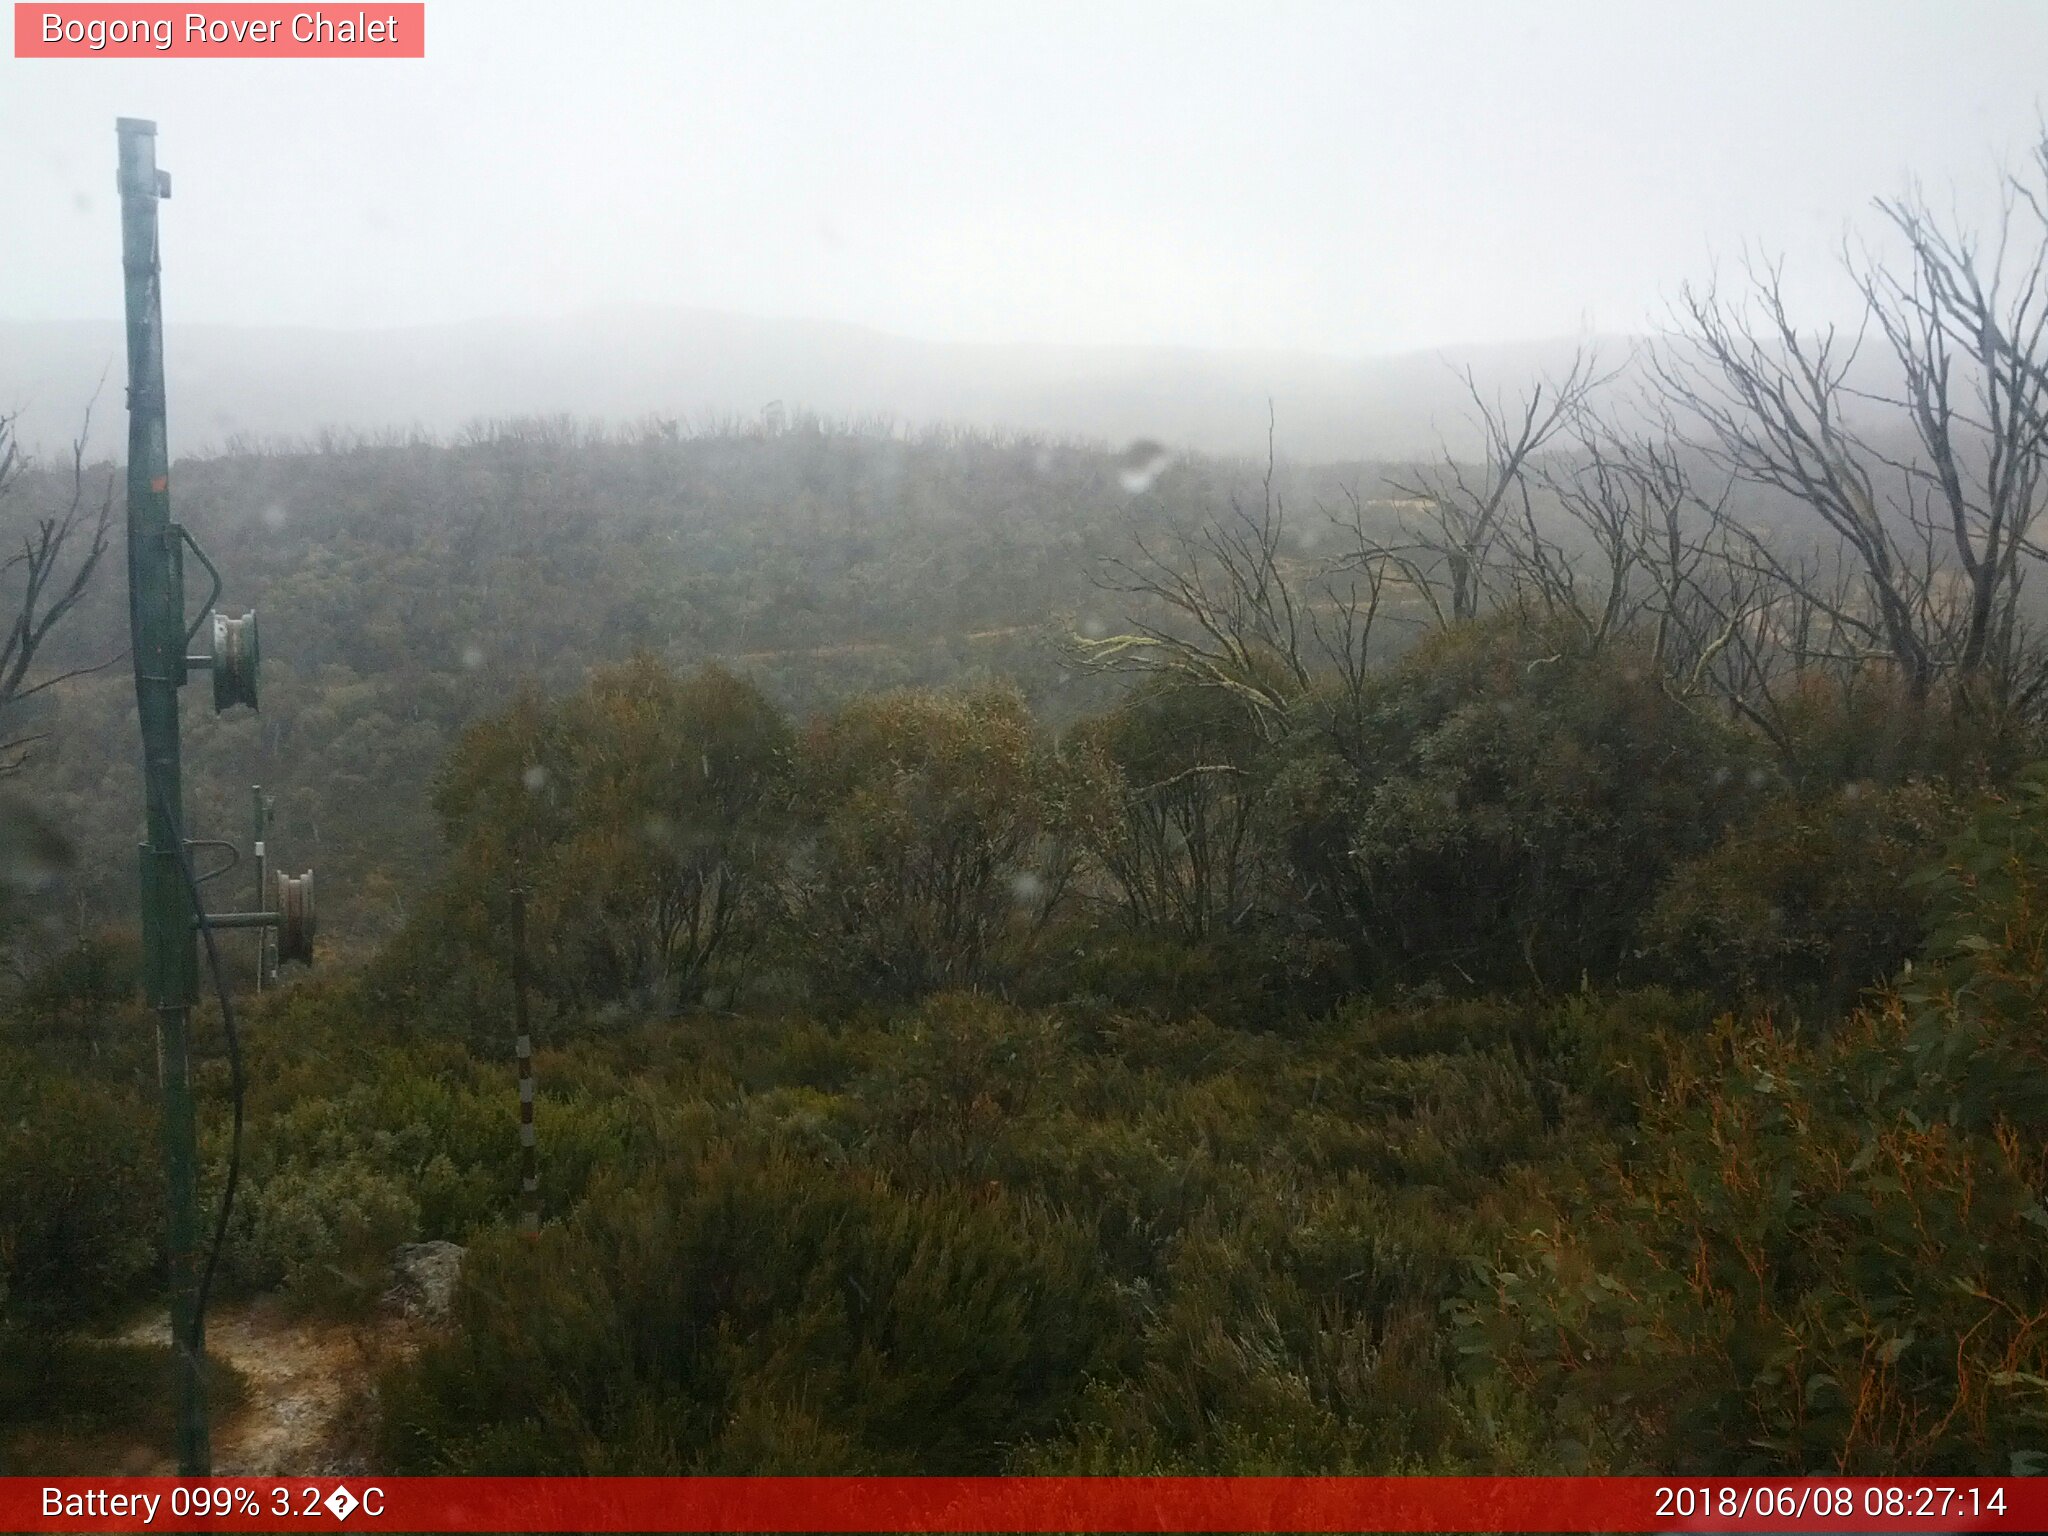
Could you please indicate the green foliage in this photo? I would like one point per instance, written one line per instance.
(1977, 1001)
(73, 1407)
(974, 1237)
(677, 789)
(816, 1201)
(1170, 809)
(323, 1235)
(933, 852)
(752, 1312)
(92, 978)
(409, 588)
(81, 1200)
(1820, 1256)
(352, 1150)
(1808, 899)
(642, 818)
(1867, 728)
(1508, 808)
(1265, 978)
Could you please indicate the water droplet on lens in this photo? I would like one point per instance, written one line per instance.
(1139, 465)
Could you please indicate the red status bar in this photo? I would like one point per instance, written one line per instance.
(1004, 1504)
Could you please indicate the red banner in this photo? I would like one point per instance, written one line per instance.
(1004, 1504)
(101, 31)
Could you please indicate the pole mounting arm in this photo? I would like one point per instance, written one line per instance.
(180, 532)
(236, 654)
(293, 917)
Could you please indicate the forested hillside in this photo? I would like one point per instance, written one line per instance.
(249, 382)
(1051, 959)
(404, 588)
(1446, 1051)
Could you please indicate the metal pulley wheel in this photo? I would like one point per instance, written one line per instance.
(235, 656)
(296, 923)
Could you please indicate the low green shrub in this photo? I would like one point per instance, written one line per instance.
(1819, 1256)
(933, 849)
(1808, 900)
(81, 1199)
(1506, 808)
(689, 1320)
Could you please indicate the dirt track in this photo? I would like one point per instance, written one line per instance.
(306, 1382)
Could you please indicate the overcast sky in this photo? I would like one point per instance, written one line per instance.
(1343, 178)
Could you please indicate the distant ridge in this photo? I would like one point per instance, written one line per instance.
(623, 364)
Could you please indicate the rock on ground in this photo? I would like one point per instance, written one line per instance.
(423, 1277)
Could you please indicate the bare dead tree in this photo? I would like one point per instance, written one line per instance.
(1658, 531)
(1464, 508)
(1934, 518)
(1968, 322)
(1640, 550)
(1769, 404)
(1178, 848)
(1352, 589)
(2025, 205)
(1911, 455)
(1619, 504)
(1228, 616)
(42, 581)
(1230, 608)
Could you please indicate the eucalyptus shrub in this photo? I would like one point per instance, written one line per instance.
(1508, 805)
(1829, 1256)
(749, 1312)
(1810, 900)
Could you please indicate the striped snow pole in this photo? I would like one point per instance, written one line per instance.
(529, 1154)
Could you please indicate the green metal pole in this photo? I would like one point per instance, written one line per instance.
(262, 893)
(156, 616)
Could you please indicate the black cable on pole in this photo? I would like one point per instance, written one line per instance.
(234, 1041)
